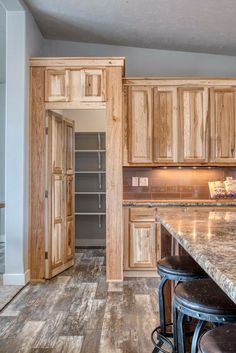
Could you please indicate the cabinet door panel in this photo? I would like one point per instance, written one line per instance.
(142, 245)
(165, 124)
(93, 85)
(140, 124)
(193, 125)
(223, 123)
(57, 85)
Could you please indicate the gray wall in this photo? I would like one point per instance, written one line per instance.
(24, 40)
(2, 114)
(150, 62)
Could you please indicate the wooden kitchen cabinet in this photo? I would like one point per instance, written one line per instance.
(165, 115)
(142, 245)
(139, 111)
(57, 82)
(142, 239)
(93, 85)
(179, 121)
(193, 124)
(223, 124)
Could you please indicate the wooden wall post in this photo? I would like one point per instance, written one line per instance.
(114, 179)
(37, 175)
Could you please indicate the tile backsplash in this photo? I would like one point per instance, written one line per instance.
(173, 182)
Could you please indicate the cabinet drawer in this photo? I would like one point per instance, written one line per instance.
(143, 214)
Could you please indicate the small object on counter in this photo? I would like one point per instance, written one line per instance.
(217, 189)
(230, 187)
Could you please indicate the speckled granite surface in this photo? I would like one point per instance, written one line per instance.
(184, 203)
(209, 237)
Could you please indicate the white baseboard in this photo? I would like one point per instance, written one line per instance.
(18, 279)
(90, 242)
(2, 238)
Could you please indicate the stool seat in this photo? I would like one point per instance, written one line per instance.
(219, 340)
(182, 265)
(204, 296)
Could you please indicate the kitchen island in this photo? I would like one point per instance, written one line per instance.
(209, 237)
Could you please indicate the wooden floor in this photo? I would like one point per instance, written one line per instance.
(78, 312)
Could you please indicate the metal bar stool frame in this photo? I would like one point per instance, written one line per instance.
(160, 331)
(180, 311)
(177, 278)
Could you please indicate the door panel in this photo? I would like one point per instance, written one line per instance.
(142, 245)
(60, 236)
(56, 145)
(165, 124)
(193, 127)
(223, 123)
(69, 146)
(140, 124)
(57, 221)
(57, 85)
(93, 85)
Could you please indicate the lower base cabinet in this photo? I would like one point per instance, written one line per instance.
(142, 239)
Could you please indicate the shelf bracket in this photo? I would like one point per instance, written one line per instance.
(99, 221)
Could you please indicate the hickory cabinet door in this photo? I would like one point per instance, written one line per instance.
(60, 204)
(93, 85)
(223, 125)
(57, 82)
(193, 124)
(142, 245)
(140, 124)
(165, 125)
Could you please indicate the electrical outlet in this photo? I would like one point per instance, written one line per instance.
(134, 181)
(143, 181)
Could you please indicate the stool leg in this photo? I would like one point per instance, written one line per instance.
(196, 336)
(180, 333)
(162, 305)
(175, 333)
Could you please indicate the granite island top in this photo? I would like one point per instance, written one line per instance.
(184, 203)
(209, 237)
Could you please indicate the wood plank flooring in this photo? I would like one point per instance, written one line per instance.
(78, 312)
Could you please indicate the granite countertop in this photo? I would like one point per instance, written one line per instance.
(209, 237)
(184, 203)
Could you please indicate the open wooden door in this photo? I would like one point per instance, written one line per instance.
(60, 204)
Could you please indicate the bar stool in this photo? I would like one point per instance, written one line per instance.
(204, 301)
(219, 340)
(177, 269)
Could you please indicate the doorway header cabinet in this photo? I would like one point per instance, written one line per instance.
(188, 121)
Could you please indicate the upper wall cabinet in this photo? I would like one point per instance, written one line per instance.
(193, 124)
(165, 124)
(188, 121)
(139, 111)
(57, 85)
(93, 85)
(75, 85)
(223, 124)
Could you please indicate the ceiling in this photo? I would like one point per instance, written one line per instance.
(187, 25)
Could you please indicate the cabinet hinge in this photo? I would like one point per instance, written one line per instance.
(46, 130)
(46, 194)
(46, 255)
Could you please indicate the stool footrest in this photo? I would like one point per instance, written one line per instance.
(160, 340)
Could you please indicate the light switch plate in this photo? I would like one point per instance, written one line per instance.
(134, 181)
(143, 181)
